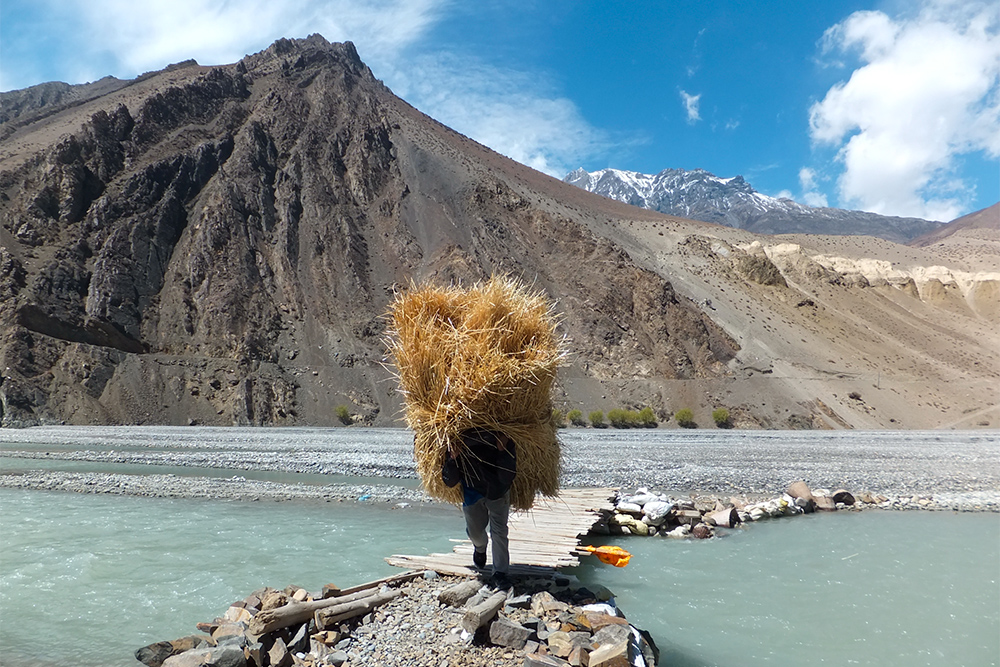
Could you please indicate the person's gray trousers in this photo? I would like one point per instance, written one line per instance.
(493, 514)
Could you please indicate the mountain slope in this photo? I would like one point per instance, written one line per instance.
(219, 245)
(733, 202)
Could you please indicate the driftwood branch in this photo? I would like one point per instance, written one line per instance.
(297, 612)
(483, 612)
(329, 616)
(300, 612)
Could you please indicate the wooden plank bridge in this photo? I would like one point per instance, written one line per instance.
(542, 539)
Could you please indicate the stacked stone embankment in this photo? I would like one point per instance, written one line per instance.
(416, 619)
(647, 513)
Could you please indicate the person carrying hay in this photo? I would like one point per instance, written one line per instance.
(485, 467)
(476, 367)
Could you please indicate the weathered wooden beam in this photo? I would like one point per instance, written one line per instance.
(294, 612)
(330, 616)
(481, 614)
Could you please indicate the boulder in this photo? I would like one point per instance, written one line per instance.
(238, 614)
(562, 643)
(154, 654)
(843, 496)
(611, 655)
(612, 634)
(226, 630)
(278, 655)
(337, 658)
(545, 602)
(826, 504)
(702, 531)
(579, 657)
(299, 643)
(801, 490)
(505, 632)
(216, 656)
(540, 660)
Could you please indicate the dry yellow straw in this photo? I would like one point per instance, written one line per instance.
(480, 357)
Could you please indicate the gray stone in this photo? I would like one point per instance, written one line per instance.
(227, 655)
(337, 658)
(279, 656)
(825, 504)
(505, 632)
(539, 660)
(518, 602)
(299, 643)
(611, 655)
(844, 496)
(613, 634)
(154, 654)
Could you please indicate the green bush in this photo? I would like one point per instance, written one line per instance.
(344, 415)
(685, 418)
(597, 419)
(558, 418)
(721, 418)
(647, 418)
(575, 418)
(623, 418)
(617, 418)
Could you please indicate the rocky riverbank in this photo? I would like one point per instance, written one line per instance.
(416, 619)
(239, 487)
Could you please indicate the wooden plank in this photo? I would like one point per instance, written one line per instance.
(546, 537)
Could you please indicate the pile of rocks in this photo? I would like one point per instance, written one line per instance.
(646, 513)
(417, 619)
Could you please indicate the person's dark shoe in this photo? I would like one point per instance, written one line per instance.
(479, 558)
(501, 581)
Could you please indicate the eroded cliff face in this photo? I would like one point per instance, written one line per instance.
(219, 245)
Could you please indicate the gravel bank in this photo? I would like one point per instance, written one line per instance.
(953, 470)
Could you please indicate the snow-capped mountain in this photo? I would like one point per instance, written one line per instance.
(700, 195)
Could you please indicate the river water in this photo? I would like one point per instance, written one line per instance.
(86, 579)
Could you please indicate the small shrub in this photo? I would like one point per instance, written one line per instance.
(721, 418)
(344, 415)
(618, 418)
(685, 418)
(575, 418)
(647, 418)
(597, 419)
(558, 418)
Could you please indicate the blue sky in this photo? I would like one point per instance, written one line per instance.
(892, 107)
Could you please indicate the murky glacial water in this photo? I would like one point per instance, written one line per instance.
(87, 579)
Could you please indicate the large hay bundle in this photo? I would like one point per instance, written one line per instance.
(479, 357)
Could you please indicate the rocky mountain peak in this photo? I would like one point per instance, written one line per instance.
(700, 195)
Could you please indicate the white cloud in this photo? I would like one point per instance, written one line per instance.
(926, 92)
(148, 35)
(810, 188)
(511, 112)
(691, 103)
